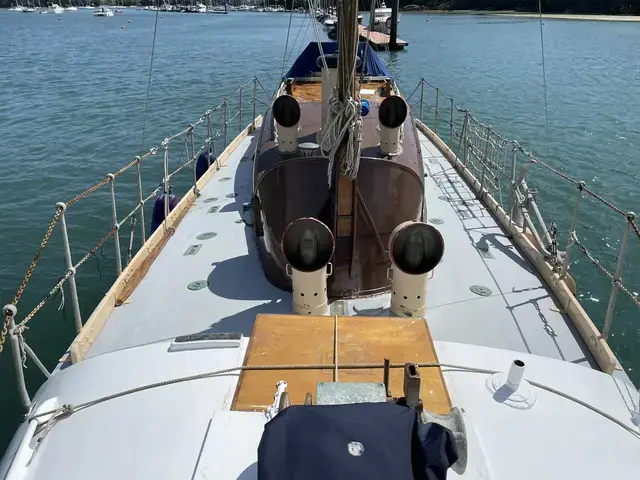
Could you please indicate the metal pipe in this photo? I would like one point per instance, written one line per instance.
(143, 233)
(253, 122)
(421, 96)
(572, 231)
(132, 227)
(194, 165)
(32, 355)
(226, 122)
(630, 217)
(10, 312)
(165, 181)
(451, 124)
(483, 160)
(114, 214)
(240, 116)
(67, 256)
(385, 378)
(435, 129)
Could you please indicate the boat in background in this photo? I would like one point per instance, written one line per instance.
(103, 11)
(16, 8)
(54, 8)
(382, 19)
(71, 8)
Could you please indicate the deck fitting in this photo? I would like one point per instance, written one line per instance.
(232, 195)
(436, 221)
(210, 200)
(198, 285)
(225, 179)
(481, 290)
(445, 198)
(206, 235)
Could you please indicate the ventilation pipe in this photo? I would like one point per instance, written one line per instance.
(329, 80)
(392, 114)
(286, 112)
(307, 246)
(415, 249)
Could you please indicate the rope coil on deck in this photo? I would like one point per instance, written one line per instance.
(67, 410)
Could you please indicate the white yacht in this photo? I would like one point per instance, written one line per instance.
(16, 8)
(103, 11)
(70, 8)
(344, 291)
(55, 8)
(382, 19)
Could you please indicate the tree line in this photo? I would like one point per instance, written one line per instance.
(603, 7)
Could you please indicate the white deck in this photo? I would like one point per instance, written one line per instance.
(520, 314)
(186, 430)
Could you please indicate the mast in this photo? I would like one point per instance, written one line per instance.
(345, 192)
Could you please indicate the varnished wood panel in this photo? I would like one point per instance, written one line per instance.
(312, 91)
(292, 339)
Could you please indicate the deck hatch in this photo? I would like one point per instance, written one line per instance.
(193, 249)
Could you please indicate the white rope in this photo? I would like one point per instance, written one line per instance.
(343, 117)
(67, 410)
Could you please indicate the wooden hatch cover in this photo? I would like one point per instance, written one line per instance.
(300, 340)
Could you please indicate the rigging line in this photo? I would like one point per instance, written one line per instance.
(544, 80)
(286, 45)
(153, 51)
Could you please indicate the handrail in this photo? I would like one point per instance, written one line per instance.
(215, 129)
(479, 152)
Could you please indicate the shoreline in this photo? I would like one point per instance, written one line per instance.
(532, 15)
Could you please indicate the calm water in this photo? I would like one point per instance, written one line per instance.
(72, 98)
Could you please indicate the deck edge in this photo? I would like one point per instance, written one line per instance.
(590, 334)
(133, 272)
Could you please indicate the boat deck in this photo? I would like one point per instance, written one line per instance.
(512, 310)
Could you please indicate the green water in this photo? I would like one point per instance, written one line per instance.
(72, 99)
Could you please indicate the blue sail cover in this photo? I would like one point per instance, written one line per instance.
(305, 65)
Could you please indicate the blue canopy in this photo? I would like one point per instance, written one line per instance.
(305, 65)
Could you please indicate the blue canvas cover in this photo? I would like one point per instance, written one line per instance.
(305, 65)
(365, 441)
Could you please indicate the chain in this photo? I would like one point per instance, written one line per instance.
(42, 302)
(635, 228)
(616, 281)
(34, 262)
(88, 191)
(126, 167)
(3, 333)
(96, 247)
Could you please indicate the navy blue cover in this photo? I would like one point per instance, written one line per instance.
(306, 65)
(313, 443)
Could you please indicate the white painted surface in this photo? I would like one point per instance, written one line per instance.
(556, 438)
(231, 449)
